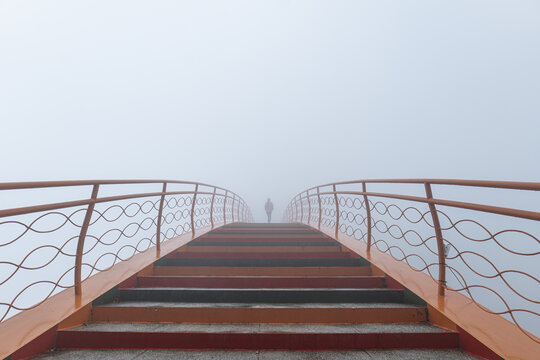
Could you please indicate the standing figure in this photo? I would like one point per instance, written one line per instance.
(269, 207)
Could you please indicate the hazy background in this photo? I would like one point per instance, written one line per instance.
(269, 97)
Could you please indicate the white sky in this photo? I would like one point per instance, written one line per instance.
(269, 97)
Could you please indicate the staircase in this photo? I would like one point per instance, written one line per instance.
(266, 289)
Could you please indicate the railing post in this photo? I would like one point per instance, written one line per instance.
(438, 235)
(295, 209)
(193, 210)
(232, 207)
(160, 214)
(238, 210)
(368, 217)
(320, 207)
(309, 208)
(337, 210)
(82, 236)
(301, 208)
(225, 207)
(212, 209)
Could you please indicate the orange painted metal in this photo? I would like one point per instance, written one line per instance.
(320, 208)
(22, 328)
(212, 208)
(495, 332)
(336, 201)
(160, 219)
(439, 237)
(225, 207)
(392, 231)
(193, 203)
(261, 315)
(368, 217)
(79, 317)
(309, 208)
(82, 237)
(55, 209)
(260, 271)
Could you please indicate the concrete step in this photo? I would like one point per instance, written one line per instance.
(262, 295)
(243, 282)
(239, 247)
(263, 255)
(217, 313)
(401, 354)
(265, 232)
(225, 238)
(270, 242)
(256, 336)
(263, 262)
(308, 271)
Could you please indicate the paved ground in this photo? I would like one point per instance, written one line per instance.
(255, 355)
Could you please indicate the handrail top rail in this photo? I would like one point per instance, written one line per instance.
(69, 183)
(523, 214)
(68, 204)
(515, 185)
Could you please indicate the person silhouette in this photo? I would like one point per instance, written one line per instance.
(269, 207)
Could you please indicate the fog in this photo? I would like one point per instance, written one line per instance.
(269, 97)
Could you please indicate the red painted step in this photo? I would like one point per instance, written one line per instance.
(246, 282)
(230, 238)
(260, 255)
(254, 341)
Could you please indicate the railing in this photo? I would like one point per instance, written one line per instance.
(55, 246)
(498, 269)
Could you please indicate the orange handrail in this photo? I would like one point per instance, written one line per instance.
(351, 212)
(185, 204)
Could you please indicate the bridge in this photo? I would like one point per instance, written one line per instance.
(374, 269)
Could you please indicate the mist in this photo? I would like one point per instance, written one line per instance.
(269, 98)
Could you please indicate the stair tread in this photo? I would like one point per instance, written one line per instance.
(259, 305)
(264, 277)
(262, 328)
(255, 355)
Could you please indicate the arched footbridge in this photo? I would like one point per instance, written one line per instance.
(367, 269)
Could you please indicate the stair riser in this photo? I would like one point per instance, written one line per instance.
(258, 315)
(261, 271)
(261, 282)
(254, 341)
(261, 255)
(261, 262)
(263, 296)
(260, 248)
(268, 243)
(266, 233)
(226, 238)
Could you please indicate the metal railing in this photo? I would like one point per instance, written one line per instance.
(498, 270)
(69, 241)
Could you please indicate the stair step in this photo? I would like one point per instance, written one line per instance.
(264, 243)
(262, 255)
(215, 313)
(261, 247)
(401, 354)
(242, 282)
(256, 336)
(262, 295)
(227, 238)
(266, 232)
(262, 262)
(261, 271)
